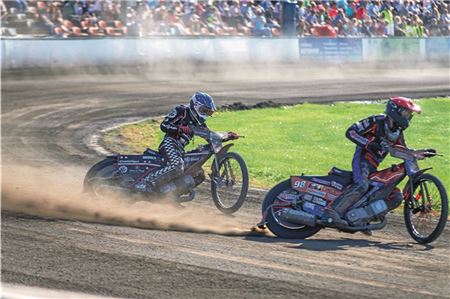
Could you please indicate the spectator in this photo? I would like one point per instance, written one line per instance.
(373, 10)
(324, 30)
(232, 17)
(399, 28)
(434, 29)
(260, 27)
(3, 11)
(355, 27)
(388, 17)
(367, 28)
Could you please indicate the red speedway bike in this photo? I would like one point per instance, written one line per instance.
(293, 208)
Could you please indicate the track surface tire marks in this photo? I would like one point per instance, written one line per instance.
(47, 122)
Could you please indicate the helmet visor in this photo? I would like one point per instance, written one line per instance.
(205, 110)
(406, 113)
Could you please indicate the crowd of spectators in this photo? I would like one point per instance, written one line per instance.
(75, 18)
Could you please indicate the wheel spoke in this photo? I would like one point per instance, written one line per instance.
(424, 217)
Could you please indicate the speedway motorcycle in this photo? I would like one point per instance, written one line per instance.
(293, 208)
(229, 175)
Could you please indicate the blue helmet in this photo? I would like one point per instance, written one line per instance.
(202, 105)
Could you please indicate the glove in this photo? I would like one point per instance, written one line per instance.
(232, 135)
(374, 147)
(185, 129)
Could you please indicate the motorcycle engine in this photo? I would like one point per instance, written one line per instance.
(362, 216)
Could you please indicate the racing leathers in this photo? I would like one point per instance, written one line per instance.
(367, 134)
(177, 126)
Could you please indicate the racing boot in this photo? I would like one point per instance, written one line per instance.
(334, 214)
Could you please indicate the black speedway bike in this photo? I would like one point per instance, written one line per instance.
(229, 175)
(293, 208)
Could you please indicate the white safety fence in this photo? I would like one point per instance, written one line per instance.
(28, 53)
(22, 53)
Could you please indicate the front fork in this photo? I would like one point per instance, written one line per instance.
(215, 175)
(228, 177)
(408, 192)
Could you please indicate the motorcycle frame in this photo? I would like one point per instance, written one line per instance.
(196, 166)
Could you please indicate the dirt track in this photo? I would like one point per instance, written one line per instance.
(47, 123)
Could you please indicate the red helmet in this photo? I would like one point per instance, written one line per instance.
(401, 110)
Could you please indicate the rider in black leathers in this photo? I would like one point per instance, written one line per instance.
(178, 128)
(368, 134)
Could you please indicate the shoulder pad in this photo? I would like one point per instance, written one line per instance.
(175, 111)
(380, 117)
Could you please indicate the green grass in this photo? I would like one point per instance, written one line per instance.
(306, 138)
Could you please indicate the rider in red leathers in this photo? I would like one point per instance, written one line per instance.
(368, 134)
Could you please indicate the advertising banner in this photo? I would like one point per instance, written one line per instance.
(331, 49)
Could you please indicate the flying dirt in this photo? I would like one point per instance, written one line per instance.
(62, 198)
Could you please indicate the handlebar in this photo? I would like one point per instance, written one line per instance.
(405, 153)
(209, 135)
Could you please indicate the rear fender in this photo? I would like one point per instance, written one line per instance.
(407, 189)
(287, 201)
(110, 160)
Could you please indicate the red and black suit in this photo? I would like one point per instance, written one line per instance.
(176, 125)
(367, 134)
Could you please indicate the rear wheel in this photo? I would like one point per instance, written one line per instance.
(229, 186)
(101, 180)
(278, 226)
(426, 213)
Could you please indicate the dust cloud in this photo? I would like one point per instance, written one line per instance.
(57, 193)
(229, 72)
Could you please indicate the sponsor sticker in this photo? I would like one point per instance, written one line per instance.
(149, 157)
(288, 196)
(323, 182)
(316, 186)
(331, 196)
(316, 192)
(129, 162)
(319, 201)
(308, 197)
(336, 185)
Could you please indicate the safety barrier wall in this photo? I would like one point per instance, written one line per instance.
(19, 53)
(22, 53)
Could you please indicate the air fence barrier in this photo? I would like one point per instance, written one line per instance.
(34, 52)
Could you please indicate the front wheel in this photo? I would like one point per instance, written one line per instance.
(426, 211)
(229, 185)
(272, 204)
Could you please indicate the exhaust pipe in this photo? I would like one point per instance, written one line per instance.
(298, 217)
